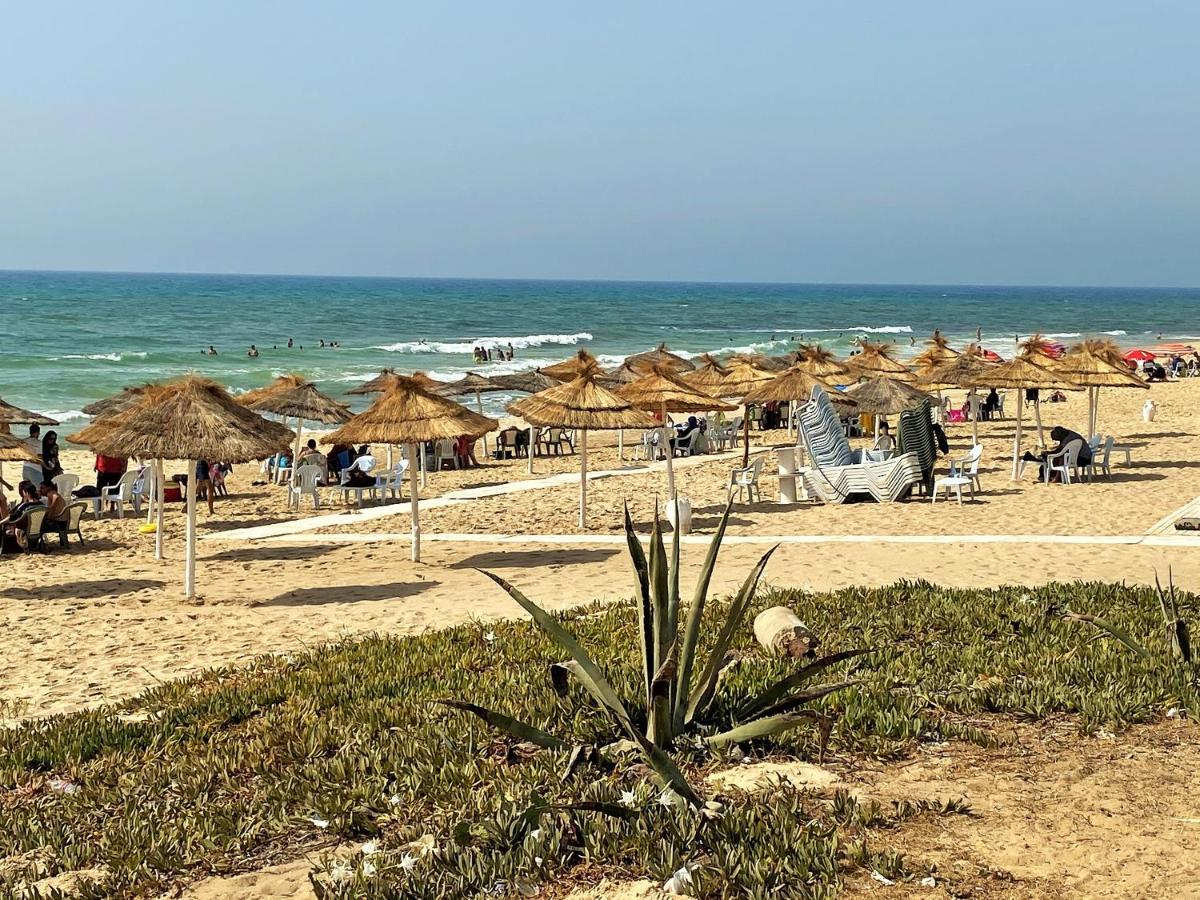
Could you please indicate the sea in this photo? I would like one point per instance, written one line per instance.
(69, 338)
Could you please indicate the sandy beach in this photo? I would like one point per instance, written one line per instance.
(97, 624)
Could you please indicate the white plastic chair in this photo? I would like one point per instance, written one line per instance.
(688, 446)
(123, 492)
(66, 484)
(1064, 462)
(968, 467)
(745, 481)
(1100, 459)
(443, 452)
(304, 483)
(957, 482)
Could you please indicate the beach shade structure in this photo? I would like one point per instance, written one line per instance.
(886, 397)
(294, 396)
(761, 361)
(1137, 355)
(409, 413)
(991, 356)
(1170, 349)
(936, 352)
(1021, 374)
(708, 375)
(821, 363)
(376, 385)
(1091, 365)
(659, 358)
(585, 405)
(524, 382)
(110, 406)
(741, 378)
(471, 383)
(13, 415)
(964, 370)
(190, 419)
(663, 392)
(875, 360)
(572, 367)
(13, 449)
(795, 386)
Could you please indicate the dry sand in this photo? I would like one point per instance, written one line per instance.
(98, 624)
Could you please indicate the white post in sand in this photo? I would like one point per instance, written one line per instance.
(389, 457)
(424, 461)
(583, 478)
(1017, 438)
(189, 570)
(416, 512)
(160, 495)
(532, 447)
(670, 454)
(621, 443)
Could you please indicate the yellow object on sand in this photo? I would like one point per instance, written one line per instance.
(148, 528)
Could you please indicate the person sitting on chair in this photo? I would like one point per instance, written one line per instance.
(1065, 438)
(359, 472)
(885, 443)
(683, 436)
(14, 527)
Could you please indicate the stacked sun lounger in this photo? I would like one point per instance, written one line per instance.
(838, 473)
(916, 436)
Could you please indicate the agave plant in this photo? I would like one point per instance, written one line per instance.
(1178, 634)
(680, 688)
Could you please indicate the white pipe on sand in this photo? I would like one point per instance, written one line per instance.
(416, 511)
(189, 570)
(583, 478)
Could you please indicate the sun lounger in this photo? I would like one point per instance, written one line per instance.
(916, 436)
(837, 472)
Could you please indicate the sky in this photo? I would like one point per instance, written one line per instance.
(915, 142)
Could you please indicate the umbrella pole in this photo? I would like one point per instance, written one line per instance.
(746, 437)
(189, 570)
(620, 443)
(670, 455)
(296, 463)
(583, 478)
(1095, 411)
(415, 499)
(1037, 416)
(1017, 438)
(532, 448)
(160, 495)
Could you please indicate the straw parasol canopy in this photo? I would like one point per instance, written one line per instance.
(662, 391)
(572, 367)
(660, 357)
(820, 363)
(875, 360)
(294, 395)
(708, 376)
(14, 415)
(886, 396)
(409, 413)
(1095, 364)
(963, 370)
(795, 385)
(585, 405)
(112, 405)
(375, 385)
(13, 449)
(760, 361)
(191, 418)
(741, 378)
(524, 382)
(938, 351)
(624, 374)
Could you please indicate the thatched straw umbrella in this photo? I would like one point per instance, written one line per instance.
(937, 352)
(573, 367)
(794, 386)
(188, 419)
(13, 449)
(740, 379)
(1021, 374)
(1090, 364)
(875, 360)
(708, 375)
(659, 358)
(408, 413)
(13, 415)
(964, 370)
(666, 393)
(524, 382)
(471, 383)
(821, 363)
(584, 405)
(760, 361)
(112, 405)
(376, 385)
(295, 396)
(885, 397)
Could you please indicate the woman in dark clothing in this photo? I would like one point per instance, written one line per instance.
(51, 468)
(1065, 438)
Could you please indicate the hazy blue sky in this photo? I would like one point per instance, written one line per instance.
(1013, 142)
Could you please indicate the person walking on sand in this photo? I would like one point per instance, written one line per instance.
(203, 476)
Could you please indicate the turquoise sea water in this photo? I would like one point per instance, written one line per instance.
(68, 338)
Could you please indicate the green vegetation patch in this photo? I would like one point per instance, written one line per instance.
(345, 746)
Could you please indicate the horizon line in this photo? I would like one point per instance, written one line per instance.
(595, 280)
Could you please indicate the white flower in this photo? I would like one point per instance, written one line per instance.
(340, 872)
(929, 881)
(629, 798)
(668, 798)
(394, 800)
(369, 848)
(1176, 713)
(537, 861)
(536, 833)
(319, 822)
(62, 786)
(882, 879)
(368, 868)
(490, 636)
(408, 862)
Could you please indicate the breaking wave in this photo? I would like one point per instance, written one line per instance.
(523, 342)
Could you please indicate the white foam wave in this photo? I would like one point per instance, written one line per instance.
(856, 329)
(64, 415)
(110, 357)
(1116, 333)
(523, 342)
(1064, 334)
(760, 347)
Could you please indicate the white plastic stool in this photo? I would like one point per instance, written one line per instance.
(953, 481)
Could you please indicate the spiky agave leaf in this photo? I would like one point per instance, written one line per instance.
(588, 672)
(518, 729)
(659, 714)
(780, 689)
(767, 726)
(703, 694)
(1178, 633)
(691, 630)
(1112, 630)
(788, 704)
(659, 592)
(641, 571)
